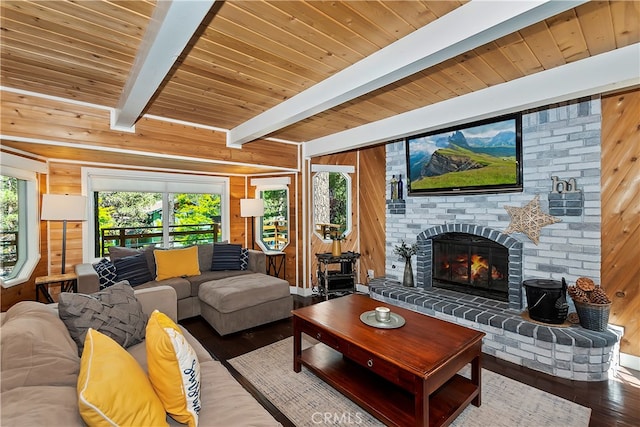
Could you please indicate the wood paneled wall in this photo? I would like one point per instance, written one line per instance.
(367, 211)
(350, 243)
(237, 191)
(620, 179)
(291, 251)
(65, 178)
(372, 211)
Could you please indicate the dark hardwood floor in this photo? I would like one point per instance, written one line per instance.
(615, 402)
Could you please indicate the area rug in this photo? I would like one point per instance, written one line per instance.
(308, 401)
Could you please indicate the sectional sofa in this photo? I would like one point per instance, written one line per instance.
(230, 295)
(41, 367)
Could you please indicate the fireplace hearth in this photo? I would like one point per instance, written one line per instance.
(471, 264)
(574, 353)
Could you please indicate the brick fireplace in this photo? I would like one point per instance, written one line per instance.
(562, 141)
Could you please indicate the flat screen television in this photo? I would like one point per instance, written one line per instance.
(478, 157)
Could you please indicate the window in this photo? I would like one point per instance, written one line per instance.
(135, 219)
(19, 230)
(135, 209)
(195, 218)
(12, 200)
(273, 226)
(331, 200)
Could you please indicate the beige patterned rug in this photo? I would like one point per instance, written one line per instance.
(308, 401)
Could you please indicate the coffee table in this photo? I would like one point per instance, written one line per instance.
(405, 376)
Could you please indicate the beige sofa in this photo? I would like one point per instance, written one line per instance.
(230, 300)
(40, 366)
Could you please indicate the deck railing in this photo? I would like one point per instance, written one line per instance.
(275, 234)
(179, 235)
(8, 251)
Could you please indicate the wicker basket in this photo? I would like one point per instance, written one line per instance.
(593, 316)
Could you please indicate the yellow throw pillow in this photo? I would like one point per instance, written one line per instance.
(176, 263)
(173, 368)
(112, 387)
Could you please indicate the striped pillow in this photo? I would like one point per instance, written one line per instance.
(133, 268)
(117, 252)
(226, 257)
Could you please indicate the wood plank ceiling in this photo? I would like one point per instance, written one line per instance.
(249, 56)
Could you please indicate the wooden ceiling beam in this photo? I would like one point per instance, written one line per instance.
(476, 23)
(609, 71)
(172, 25)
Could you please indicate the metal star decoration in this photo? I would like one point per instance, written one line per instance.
(529, 219)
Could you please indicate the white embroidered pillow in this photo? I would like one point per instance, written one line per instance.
(173, 369)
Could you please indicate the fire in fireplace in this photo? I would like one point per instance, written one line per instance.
(471, 264)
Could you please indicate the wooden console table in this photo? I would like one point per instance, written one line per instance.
(405, 376)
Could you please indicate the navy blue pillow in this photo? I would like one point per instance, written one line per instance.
(107, 273)
(133, 268)
(226, 257)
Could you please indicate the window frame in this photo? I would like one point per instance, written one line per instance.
(260, 222)
(266, 184)
(26, 170)
(99, 179)
(345, 171)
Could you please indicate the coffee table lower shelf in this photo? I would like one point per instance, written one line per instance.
(386, 401)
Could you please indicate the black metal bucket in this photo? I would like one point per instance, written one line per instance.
(547, 300)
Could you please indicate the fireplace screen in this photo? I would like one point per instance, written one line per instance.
(471, 264)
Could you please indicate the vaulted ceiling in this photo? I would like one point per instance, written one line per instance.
(299, 71)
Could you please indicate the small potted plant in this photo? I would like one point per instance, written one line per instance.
(406, 251)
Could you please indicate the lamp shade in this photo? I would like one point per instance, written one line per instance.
(63, 207)
(251, 207)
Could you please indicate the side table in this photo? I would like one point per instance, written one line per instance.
(68, 283)
(342, 280)
(276, 262)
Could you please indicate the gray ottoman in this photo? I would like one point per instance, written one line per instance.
(236, 303)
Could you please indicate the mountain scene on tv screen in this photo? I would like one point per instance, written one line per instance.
(472, 157)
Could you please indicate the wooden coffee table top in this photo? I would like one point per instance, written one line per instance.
(421, 346)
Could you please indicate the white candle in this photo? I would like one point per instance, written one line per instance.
(383, 314)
